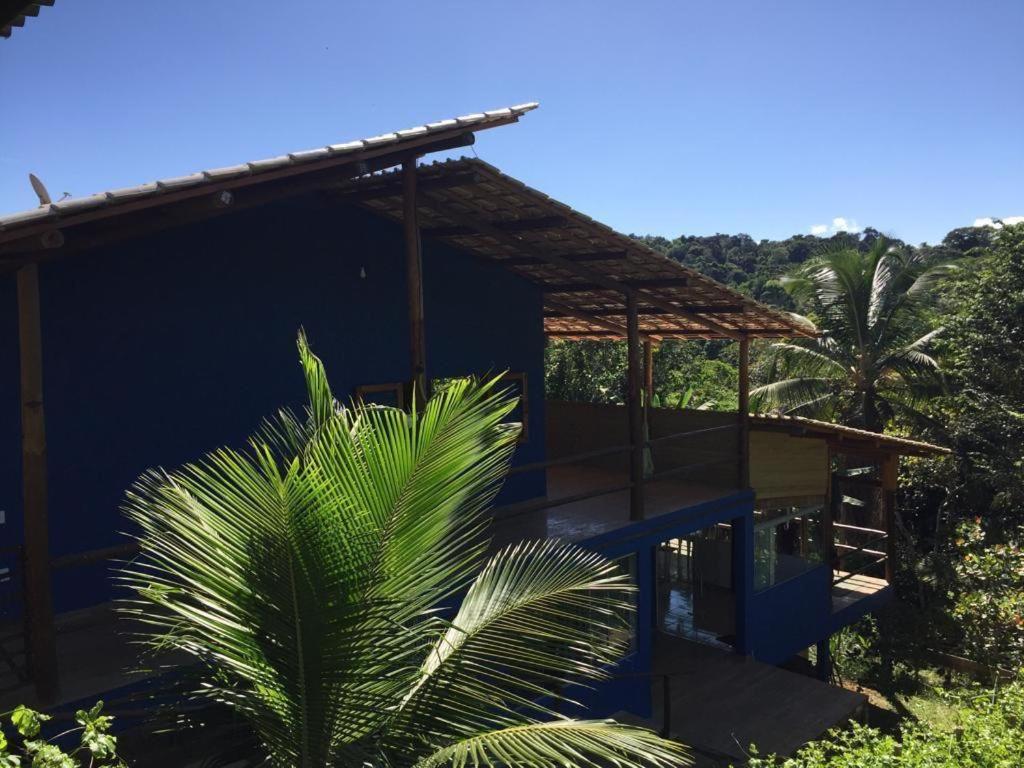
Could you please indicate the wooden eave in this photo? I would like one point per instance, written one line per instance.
(71, 226)
(845, 439)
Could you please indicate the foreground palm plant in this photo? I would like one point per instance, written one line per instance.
(872, 362)
(334, 583)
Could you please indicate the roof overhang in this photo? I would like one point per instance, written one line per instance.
(585, 268)
(844, 438)
(13, 13)
(68, 226)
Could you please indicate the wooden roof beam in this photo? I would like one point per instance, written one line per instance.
(529, 261)
(571, 267)
(610, 326)
(707, 309)
(659, 335)
(519, 225)
(661, 282)
(359, 191)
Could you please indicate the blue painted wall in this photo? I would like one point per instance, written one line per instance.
(630, 690)
(791, 616)
(163, 348)
(480, 319)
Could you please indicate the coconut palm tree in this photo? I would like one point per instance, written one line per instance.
(334, 583)
(871, 362)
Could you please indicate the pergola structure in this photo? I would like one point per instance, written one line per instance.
(597, 283)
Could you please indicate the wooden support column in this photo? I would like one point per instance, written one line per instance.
(743, 414)
(42, 649)
(414, 282)
(633, 406)
(890, 469)
(648, 372)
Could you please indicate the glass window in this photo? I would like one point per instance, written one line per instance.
(787, 541)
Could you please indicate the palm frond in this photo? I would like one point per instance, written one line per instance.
(305, 584)
(561, 743)
(815, 358)
(539, 616)
(793, 396)
(925, 283)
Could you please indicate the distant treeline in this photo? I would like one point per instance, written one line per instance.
(741, 262)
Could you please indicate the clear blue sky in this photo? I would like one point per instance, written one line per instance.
(656, 117)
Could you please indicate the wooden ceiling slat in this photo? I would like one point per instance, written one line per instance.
(434, 200)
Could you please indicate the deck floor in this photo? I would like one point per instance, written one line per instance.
(94, 655)
(721, 703)
(853, 589)
(584, 519)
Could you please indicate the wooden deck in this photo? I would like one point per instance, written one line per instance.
(591, 517)
(721, 703)
(853, 589)
(94, 656)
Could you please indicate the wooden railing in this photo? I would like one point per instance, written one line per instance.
(879, 556)
(13, 600)
(582, 457)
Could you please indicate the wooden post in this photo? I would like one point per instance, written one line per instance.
(743, 413)
(414, 282)
(42, 648)
(890, 470)
(633, 406)
(648, 372)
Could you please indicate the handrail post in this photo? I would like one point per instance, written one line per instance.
(635, 415)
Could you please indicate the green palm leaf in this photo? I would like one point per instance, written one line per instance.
(311, 577)
(871, 305)
(541, 615)
(588, 744)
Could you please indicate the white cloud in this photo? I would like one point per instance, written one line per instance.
(839, 224)
(988, 221)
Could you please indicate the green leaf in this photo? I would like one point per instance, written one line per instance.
(28, 721)
(577, 743)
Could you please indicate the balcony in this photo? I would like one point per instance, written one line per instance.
(690, 458)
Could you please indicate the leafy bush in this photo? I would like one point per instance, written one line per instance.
(31, 749)
(987, 734)
(988, 601)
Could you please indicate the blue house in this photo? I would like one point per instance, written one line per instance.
(148, 325)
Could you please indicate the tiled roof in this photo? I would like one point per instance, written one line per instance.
(577, 260)
(255, 168)
(814, 427)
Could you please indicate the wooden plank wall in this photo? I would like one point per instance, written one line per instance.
(574, 428)
(783, 466)
(721, 447)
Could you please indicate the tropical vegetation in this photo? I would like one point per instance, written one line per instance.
(872, 363)
(985, 733)
(335, 584)
(96, 747)
(921, 339)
